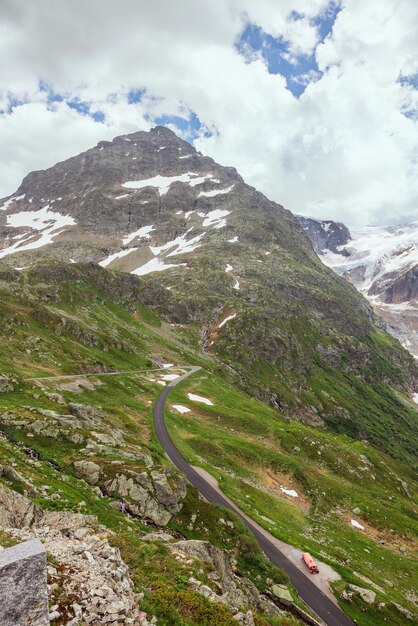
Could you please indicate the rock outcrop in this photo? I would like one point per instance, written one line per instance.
(156, 495)
(236, 592)
(17, 511)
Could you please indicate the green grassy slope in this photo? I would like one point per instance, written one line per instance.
(63, 319)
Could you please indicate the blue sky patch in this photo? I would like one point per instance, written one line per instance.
(275, 52)
(190, 127)
(136, 95)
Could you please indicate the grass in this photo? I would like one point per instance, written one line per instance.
(71, 326)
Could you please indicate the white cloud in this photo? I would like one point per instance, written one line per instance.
(344, 150)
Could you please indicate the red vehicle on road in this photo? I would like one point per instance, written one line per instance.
(313, 568)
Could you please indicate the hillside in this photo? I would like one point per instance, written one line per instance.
(75, 318)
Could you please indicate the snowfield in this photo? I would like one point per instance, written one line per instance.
(215, 192)
(181, 245)
(8, 202)
(201, 399)
(154, 265)
(227, 319)
(45, 225)
(179, 407)
(144, 231)
(116, 255)
(380, 250)
(162, 183)
(169, 376)
(216, 218)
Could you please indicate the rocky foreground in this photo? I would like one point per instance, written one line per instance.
(89, 582)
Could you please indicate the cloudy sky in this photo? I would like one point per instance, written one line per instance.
(314, 101)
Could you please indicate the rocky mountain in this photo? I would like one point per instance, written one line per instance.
(217, 254)
(326, 234)
(129, 258)
(382, 262)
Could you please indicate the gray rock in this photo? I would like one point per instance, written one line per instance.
(55, 397)
(282, 593)
(84, 411)
(88, 470)
(245, 619)
(6, 384)
(23, 585)
(154, 496)
(11, 474)
(16, 511)
(367, 595)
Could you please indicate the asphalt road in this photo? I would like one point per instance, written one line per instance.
(329, 612)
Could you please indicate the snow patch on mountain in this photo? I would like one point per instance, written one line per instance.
(195, 398)
(8, 202)
(162, 183)
(154, 265)
(215, 192)
(46, 224)
(216, 218)
(227, 319)
(180, 245)
(116, 255)
(144, 231)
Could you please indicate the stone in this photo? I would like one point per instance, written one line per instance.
(282, 593)
(84, 411)
(88, 470)
(357, 511)
(17, 511)
(154, 496)
(23, 585)
(367, 595)
(55, 397)
(245, 619)
(6, 385)
(11, 474)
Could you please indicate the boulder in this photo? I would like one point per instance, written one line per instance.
(282, 593)
(156, 496)
(208, 553)
(84, 411)
(87, 470)
(245, 619)
(68, 522)
(16, 511)
(11, 474)
(23, 585)
(367, 595)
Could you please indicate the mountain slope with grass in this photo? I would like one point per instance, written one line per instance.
(142, 253)
(59, 319)
(218, 256)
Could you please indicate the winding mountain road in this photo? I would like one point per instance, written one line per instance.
(324, 608)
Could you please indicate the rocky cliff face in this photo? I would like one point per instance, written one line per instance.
(326, 234)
